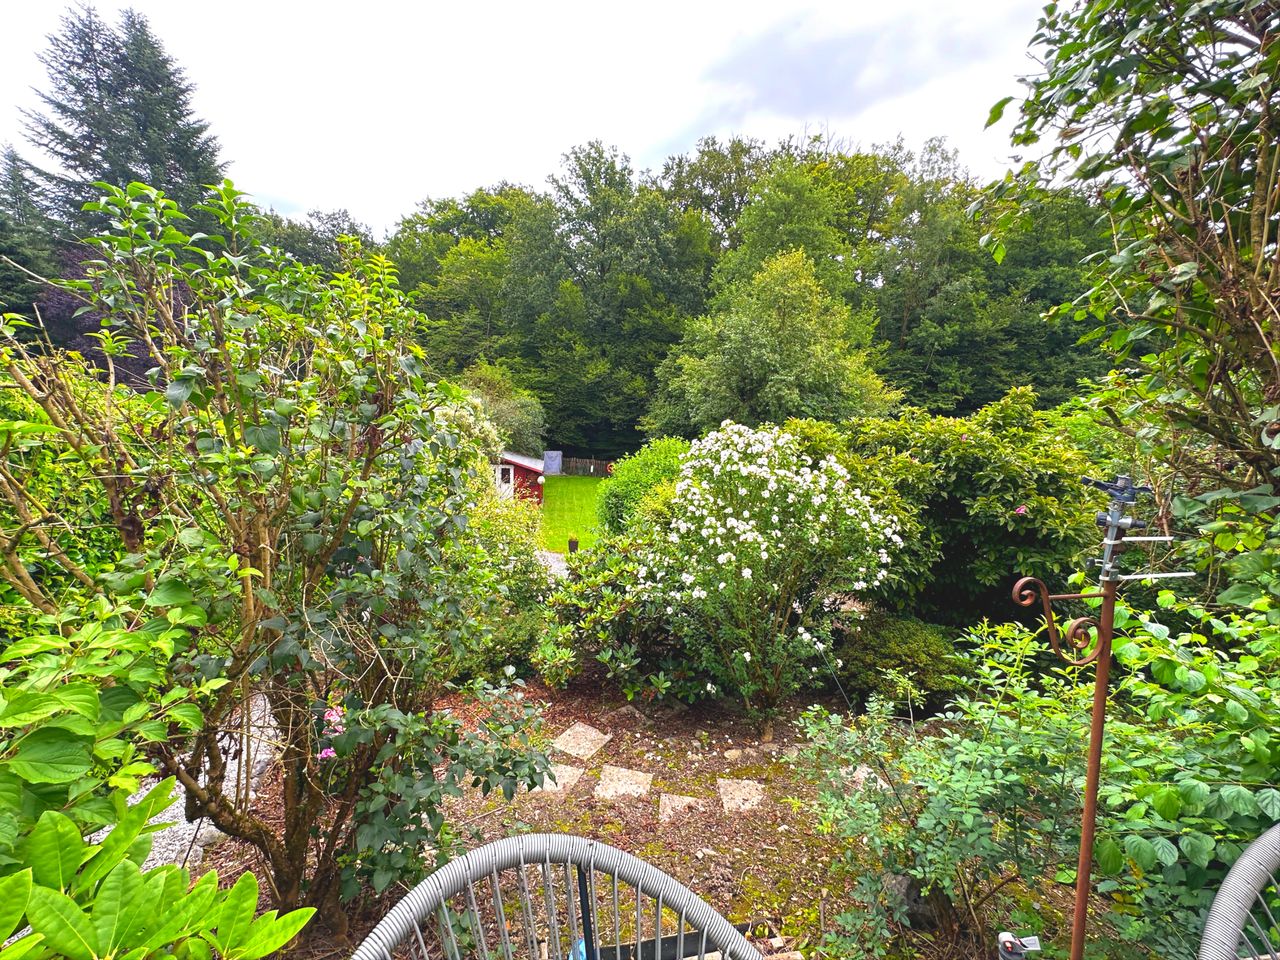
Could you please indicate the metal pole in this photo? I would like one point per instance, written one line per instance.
(1106, 627)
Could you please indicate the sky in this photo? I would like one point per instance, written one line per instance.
(376, 105)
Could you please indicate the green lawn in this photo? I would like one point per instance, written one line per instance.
(569, 510)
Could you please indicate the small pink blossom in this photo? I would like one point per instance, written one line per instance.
(1022, 509)
(328, 753)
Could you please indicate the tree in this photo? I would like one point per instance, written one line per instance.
(24, 236)
(294, 487)
(717, 181)
(790, 209)
(1167, 111)
(118, 109)
(314, 241)
(516, 413)
(781, 347)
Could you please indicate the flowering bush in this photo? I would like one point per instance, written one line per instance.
(733, 595)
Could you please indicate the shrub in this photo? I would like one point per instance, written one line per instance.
(295, 483)
(992, 798)
(738, 588)
(882, 654)
(996, 495)
(506, 532)
(634, 477)
(82, 704)
(516, 413)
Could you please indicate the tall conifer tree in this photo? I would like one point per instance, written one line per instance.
(118, 108)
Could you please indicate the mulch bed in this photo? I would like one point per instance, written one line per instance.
(768, 865)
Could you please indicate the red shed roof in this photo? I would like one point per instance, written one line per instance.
(520, 460)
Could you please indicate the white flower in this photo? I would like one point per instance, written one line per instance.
(746, 573)
(746, 655)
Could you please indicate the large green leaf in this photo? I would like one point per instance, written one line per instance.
(269, 933)
(51, 755)
(55, 851)
(1108, 855)
(122, 909)
(65, 927)
(170, 593)
(1197, 847)
(236, 914)
(14, 891)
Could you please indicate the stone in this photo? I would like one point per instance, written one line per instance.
(864, 775)
(209, 836)
(581, 740)
(739, 796)
(618, 782)
(565, 779)
(671, 805)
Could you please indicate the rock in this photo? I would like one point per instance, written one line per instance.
(563, 777)
(740, 796)
(923, 912)
(618, 782)
(865, 775)
(209, 836)
(581, 740)
(671, 805)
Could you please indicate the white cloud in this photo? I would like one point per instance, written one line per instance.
(375, 105)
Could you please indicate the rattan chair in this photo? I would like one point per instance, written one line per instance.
(547, 896)
(1244, 920)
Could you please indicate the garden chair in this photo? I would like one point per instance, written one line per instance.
(547, 896)
(1244, 920)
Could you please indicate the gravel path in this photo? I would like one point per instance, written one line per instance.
(184, 843)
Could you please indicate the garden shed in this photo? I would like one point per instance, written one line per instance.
(519, 475)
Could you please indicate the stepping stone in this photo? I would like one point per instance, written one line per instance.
(739, 796)
(581, 741)
(566, 776)
(671, 805)
(620, 782)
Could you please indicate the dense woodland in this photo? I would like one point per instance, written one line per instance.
(613, 294)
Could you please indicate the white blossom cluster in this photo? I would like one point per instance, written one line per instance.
(754, 518)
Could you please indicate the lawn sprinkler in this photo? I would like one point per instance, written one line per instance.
(1089, 640)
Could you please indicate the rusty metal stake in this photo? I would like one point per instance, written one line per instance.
(1078, 634)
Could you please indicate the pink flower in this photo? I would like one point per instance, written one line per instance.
(328, 753)
(1021, 510)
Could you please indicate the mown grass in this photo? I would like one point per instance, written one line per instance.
(569, 510)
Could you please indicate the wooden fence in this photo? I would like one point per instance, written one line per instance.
(586, 467)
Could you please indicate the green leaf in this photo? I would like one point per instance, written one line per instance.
(236, 914)
(170, 593)
(179, 391)
(1239, 798)
(997, 111)
(1166, 852)
(14, 891)
(269, 933)
(20, 948)
(1108, 855)
(51, 755)
(1140, 850)
(121, 911)
(55, 850)
(66, 928)
(1167, 802)
(1194, 793)
(1197, 847)
(1269, 802)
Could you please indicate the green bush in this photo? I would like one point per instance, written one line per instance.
(995, 495)
(890, 656)
(295, 480)
(506, 531)
(634, 476)
(81, 706)
(738, 585)
(991, 795)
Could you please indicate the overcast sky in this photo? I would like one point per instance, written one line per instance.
(375, 105)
